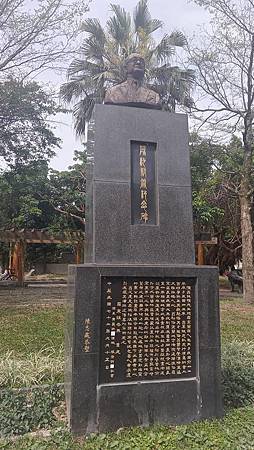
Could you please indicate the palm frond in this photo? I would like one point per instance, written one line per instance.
(82, 111)
(177, 39)
(76, 66)
(153, 25)
(166, 73)
(94, 28)
(173, 85)
(141, 16)
(164, 50)
(71, 90)
(188, 75)
(119, 25)
(160, 73)
(102, 55)
(106, 75)
(93, 48)
(179, 88)
(83, 68)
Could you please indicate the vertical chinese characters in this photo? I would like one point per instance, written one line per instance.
(143, 183)
(87, 335)
(144, 216)
(149, 329)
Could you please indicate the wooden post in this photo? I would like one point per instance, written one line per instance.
(201, 254)
(79, 253)
(18, 261)
(10, 255)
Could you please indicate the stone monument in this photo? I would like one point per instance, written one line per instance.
(143, 339)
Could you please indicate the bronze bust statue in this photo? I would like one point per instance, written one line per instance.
(132, 92)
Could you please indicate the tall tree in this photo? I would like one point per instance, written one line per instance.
(34, 196)
(66, 191)
(224, 62)
(216, 208)
(21, 205)
(206, 211)
(25, 132)
(41, 36)
(101, 62)
(25, 200)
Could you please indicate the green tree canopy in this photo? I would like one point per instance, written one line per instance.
(216, 181)
(66, 192)
(21, 204)
(28, 200)
(207, 213)
(25, 132)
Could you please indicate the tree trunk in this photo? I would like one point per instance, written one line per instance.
(247, 249)
(246, 223)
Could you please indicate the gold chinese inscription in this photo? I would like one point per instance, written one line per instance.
(143, 183)
(144, 216)
(148, 330)
(87, 335)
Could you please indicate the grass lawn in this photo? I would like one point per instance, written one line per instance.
(25, 330)
(237, 320)
(234, 432)
(223, 282)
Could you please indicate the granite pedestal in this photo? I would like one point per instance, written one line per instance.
(143, 339)
(112, 237)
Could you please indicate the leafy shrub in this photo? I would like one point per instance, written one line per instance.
(238, 373)
(24, 411)
(43, 367)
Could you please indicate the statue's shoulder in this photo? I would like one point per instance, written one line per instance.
(151, 93)
(117, 87)
(113, 92)
(149, 96)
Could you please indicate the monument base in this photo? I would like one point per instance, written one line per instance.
(120, 371)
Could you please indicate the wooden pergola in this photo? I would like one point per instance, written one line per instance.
(19, 238)
(201, 245)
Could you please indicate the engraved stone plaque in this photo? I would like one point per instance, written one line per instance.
(148, 329)
(143, 183)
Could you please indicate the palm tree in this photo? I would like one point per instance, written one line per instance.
(102, 55)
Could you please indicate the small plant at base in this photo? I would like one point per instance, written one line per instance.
(43, 367)
(238, 373)
(24, 411)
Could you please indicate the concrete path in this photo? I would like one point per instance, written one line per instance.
(35, 295)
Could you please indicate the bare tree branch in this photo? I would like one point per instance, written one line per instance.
(35, 39)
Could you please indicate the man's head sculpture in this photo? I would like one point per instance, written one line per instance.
(135, 66)
(132, 92)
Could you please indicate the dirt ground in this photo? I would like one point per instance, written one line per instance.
(52, 290)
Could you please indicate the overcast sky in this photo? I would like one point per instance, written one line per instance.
(183, 15)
